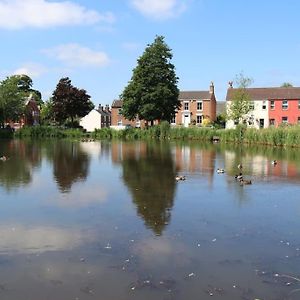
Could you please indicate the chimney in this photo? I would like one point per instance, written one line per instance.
(100, 107)
(230, 84)
(107, 108)
(211, 88)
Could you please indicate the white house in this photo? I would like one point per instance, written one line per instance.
(258, 116)
(96, 119)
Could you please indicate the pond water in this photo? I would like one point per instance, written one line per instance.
(108, 220)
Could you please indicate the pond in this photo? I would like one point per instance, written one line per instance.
(107, 220)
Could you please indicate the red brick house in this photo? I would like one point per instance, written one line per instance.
(196, 106)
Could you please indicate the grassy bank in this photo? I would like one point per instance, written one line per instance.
(283, 136)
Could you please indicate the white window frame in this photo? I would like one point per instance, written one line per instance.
(272, 104)
(284, 121)
(186, 103)
(200, 104)
(285, 105)
(197, 119)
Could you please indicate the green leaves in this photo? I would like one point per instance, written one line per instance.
(152, 92)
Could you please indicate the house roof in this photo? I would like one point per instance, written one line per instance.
(117, 104)
(268, 93)
(189, 95)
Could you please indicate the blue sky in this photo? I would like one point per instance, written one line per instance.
(97, 42)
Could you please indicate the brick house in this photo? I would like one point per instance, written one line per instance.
(196, 106)
(269, 106)
(118, 120)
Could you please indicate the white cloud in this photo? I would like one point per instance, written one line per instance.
(75, 55)
(17, 14)
(21, 239)
(31, 69)
(159, 9)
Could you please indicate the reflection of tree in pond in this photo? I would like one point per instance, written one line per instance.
(23, 156)
(150, 178)
(70, 164)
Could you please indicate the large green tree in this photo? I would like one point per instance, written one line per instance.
(69, 102)
(152, 92)
(14, 90)
(240, 101)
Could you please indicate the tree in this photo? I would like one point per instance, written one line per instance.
(286, 85)
(152, 92)
(14, 90)
(69, 102)
(240, 101)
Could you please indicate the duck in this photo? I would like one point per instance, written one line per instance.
(220, 171)
(274, 162)
(239, 176)
(180, 177)
(240, 166)
(3, 158)
(245, 182)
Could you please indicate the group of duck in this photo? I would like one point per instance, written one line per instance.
(239, 177)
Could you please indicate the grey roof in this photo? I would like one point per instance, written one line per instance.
(194, 95)
(268, 93)
(117, 104)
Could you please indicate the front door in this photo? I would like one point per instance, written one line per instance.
(186, 120)
(261, 123)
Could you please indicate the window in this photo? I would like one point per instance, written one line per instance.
(284, 120)
(272, 104)
(119, 111)
(285, 104)
(199, 119)
(251, 105)
(186, 106)
(298, 104)
(298, 120)
(120, 123)
(264, 105)
(272, 122)
(138, 123)
(199, 105)
(173, 121)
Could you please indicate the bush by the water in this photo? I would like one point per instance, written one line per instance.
(281, 136)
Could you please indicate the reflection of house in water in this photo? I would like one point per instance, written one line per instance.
(195, 160)
(260, 165)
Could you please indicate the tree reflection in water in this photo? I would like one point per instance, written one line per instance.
(150, 177)
(23, 156)
(70, 164)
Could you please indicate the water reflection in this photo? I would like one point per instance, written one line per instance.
(149, 172)
(23, 157)
(70, 164)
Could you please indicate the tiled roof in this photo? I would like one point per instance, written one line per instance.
(268, 93)
(194, 95)
(117, 103)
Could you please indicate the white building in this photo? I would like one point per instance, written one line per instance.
(96, 119)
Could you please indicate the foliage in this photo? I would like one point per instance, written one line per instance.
(220, 121)
(46, 113)
(286, 85)
(152, 92)
(69, 102)
(240, 102)
(13, 92)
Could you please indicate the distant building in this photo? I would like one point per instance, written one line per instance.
(196, 106)
(96, 119)
(269, 106)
